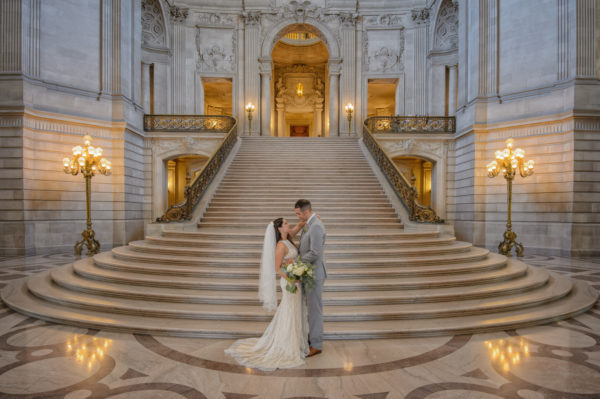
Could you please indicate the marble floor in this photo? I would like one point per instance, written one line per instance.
(44, 360)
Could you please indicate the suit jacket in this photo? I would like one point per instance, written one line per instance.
(312, 247)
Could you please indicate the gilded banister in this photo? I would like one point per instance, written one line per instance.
(406, 191)
(189, 123)
(411, 124)
(194, 191)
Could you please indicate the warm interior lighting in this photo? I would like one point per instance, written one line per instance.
(508, 162)
(507, 354)
(88, 352)
(349, 108)
(249, 107)
(299, 89)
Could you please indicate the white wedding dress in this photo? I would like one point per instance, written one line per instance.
(284, 344)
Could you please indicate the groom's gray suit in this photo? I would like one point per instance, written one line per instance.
(312, 246)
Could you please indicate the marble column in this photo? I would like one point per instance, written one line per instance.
(399, 96)
(347, 78)
(250, 71)
(179, 83)
(146, 91)
(318, 121)
(265, 96)
(199, 96)
(280, 119)
(334, 69)
(452, 89)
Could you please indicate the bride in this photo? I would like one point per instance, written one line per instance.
(284, 343)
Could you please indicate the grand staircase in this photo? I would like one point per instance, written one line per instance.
(384, 281)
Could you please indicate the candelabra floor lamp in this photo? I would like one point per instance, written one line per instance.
(509, 162)
(349, 109)
(249, 110)
(87, 160)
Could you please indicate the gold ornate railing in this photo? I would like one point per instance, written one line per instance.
(189, 123)
(411, 124)
(193, 192)
(406, 191)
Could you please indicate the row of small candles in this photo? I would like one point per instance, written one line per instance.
(509, 160)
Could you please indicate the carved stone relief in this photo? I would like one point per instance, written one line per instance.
(383, 20)
(312, 80)
(380, 53)
(412, 146)
(212, 19)
(153, 24)
(216, 50)
(446, 28)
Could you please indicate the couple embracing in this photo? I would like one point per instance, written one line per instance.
(299, 317)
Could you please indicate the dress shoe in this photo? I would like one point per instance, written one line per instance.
(313, 351)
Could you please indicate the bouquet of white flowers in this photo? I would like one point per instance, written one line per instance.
(299, 271)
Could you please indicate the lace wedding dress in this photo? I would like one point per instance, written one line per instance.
(284, 344)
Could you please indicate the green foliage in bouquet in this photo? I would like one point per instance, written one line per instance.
(299, 271)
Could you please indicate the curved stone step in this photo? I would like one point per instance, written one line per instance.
(534, 279)
(474, 254)
(106, 261)
(87, 269)
(401, 235)
(392, 225)
(256, 244)
(330, 253)
(581, 298)
(42, 287)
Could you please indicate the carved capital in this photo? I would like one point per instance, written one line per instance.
(334, 66)
(420, 16)
(251, 17)
(179, 14)
(348, 19)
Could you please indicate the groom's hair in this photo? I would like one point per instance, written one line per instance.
(303, 204)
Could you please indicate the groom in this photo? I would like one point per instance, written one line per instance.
(312, 243)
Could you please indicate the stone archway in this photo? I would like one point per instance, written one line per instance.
(328, 86)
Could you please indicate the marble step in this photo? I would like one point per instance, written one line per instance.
(276, 190)
(533, 279)
(331, 254)
(107, 261)
(258, 234)
(274, 203)
(256, 244)
(581, 298)
(291, 216)
(331, 220)
(86, 268)
(42, 287)
(383, 227)
(470, 255)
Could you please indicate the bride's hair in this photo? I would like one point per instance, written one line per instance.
(277, 223)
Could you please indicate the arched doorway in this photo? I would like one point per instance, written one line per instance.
(322, 74)
(300, 76)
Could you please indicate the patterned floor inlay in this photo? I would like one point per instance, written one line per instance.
(45, 360)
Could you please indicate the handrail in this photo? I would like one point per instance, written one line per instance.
(193, 192)
(411, 124)
(406, 191)
(188, 123)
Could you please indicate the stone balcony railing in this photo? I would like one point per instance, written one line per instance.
(189, 123)
(411, 124)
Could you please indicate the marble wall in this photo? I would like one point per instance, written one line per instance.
(527, 70)
(69, 68)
